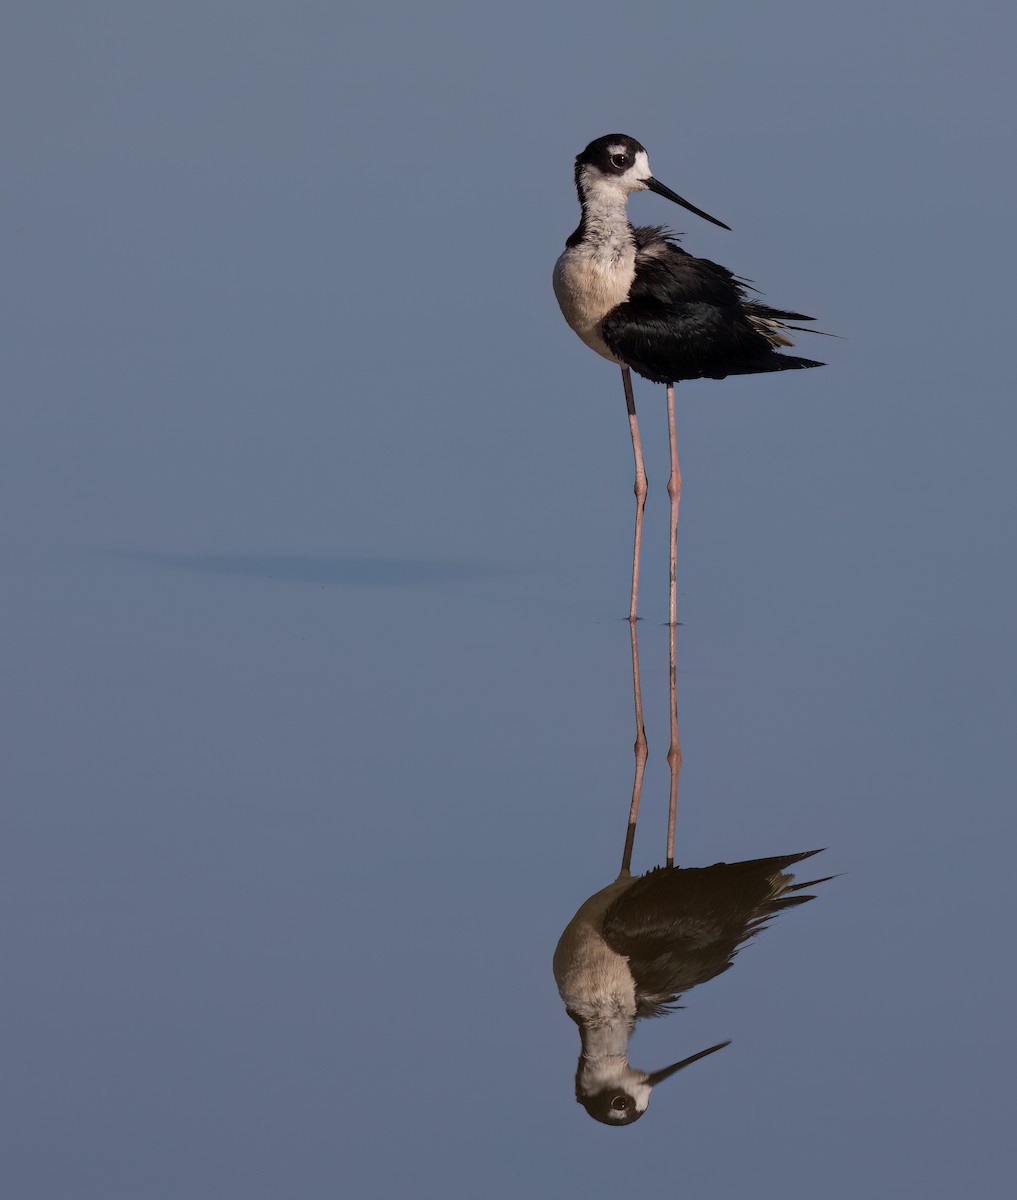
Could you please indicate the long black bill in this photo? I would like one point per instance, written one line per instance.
(656, 186)
(659, 1076)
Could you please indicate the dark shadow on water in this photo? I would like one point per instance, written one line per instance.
(323, 572)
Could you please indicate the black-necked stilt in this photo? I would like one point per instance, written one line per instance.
(638, 299)
(635, 946)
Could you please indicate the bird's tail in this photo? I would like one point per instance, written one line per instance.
(775, 871)
(778, 862)
(772, 323)
(770, 362)
(790, 362)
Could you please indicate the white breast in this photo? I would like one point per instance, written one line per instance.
(590, 280)
(592, 978)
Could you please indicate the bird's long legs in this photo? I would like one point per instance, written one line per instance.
(640, 751)
(674, 490)
(639, 488)
(674, 753)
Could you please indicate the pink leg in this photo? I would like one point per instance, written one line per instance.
(674, 490)
(674, 753)
(639, 489)
(640, 750)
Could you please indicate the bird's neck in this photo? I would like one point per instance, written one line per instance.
(604, 1058)
(605, 224)
(606, 1040)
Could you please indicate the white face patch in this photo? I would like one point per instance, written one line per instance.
(597, 185)
(641, 167)
(632, 179)
(640, 1092)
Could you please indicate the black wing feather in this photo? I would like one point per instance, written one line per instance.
(689, 318)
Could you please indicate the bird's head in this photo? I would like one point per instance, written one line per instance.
(614, 1093)
(615, 165)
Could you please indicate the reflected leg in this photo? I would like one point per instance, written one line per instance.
(640, 751)
(674, 753)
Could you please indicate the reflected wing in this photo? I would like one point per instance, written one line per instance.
(682, 927)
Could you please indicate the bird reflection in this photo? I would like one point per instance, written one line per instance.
(636, 945)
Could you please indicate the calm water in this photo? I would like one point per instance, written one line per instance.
(318, 706)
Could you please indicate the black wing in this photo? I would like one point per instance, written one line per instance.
(682, 927)
(690, 318)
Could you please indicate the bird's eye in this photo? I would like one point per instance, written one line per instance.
(620, 1103)
(619, 160)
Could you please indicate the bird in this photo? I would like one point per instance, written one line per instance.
(639, 300)
(636, 945)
